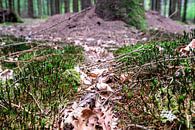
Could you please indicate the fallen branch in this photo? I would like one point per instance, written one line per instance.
(137, 126)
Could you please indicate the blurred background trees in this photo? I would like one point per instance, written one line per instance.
(183, 10)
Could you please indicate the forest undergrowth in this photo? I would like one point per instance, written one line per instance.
(38, 79)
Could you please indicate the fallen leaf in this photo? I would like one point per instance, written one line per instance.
(104, 87)
(190, 46)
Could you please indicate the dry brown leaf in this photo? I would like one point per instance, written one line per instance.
(86, 113)
(104, 87)
(124, 78)
(190, 46)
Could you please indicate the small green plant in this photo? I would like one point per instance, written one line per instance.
(44, 79)
(160, 90)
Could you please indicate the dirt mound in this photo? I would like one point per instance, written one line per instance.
(155, 20)
(85, 27)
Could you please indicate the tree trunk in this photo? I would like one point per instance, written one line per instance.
(52, 6)
(39, 2)
(165, 7)
(30, 9)
(185, 10)
(153, 4)
(66, 6)
(85, 4)
(75, 6)
(10, 3)
(178, 14)
(48, 8)
(130, 11)
(1, 4)
(57, 6)
(18, 3)
(6, 4)
(158, 5)
(44, 12)
(172, 8)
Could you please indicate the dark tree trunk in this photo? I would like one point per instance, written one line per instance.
(185, 10)
(30, 9)
(18, 3)
(178, 14)
(10, 3)
(153, 4)
(75, 6)
(172, 8)
(1, 4)
(52, 6)
(158, 5)
(57, 6)
(66, 6)
(130, 11)
(85, 4)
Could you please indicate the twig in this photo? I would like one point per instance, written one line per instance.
(173, 13)
(110, 96)
(22, 52)
(14, 44)
(35, 101)
(138, 126)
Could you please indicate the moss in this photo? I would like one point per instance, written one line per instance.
(136, 14)
(130, 11)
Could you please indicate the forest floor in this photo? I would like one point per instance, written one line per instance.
(87, 28)
(98, 38)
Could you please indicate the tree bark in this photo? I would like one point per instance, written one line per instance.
(44, 11)
(85, 4)
(185, 10)
(39, 2)
(130, 11)
(6, 4)
(158, 5)
(48, 8)
(52, 7)
(30, 9)
(57, 6)
(75, 6)
(1, 4)
(66, 6)
(153, 4)
(165, 7)
(172, 8)
(18, 3)
(178, 14)
(10, 4)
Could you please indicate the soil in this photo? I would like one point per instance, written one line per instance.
(86, 28)
(157, 21)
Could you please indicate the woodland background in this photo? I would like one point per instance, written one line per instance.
(176, 9)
